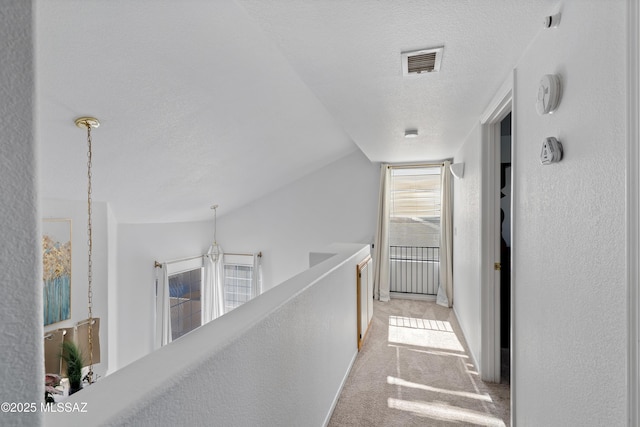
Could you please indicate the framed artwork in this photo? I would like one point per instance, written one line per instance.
(56, 272)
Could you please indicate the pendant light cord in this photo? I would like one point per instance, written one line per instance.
(89, 253)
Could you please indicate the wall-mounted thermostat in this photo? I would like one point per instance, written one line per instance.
(549, 93)
(551, 151)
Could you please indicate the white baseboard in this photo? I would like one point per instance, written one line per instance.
(465, 335)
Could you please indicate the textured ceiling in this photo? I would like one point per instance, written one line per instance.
(349, 54)
(223, 101)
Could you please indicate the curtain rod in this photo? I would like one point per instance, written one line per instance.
(159, 264)
(415, 165)
(242, 254)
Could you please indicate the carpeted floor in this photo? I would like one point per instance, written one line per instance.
(415, 370)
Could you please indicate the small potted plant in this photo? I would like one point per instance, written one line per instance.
(72, 356)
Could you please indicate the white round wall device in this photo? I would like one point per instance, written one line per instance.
(549, 93)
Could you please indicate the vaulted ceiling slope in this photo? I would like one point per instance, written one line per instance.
(222, 101)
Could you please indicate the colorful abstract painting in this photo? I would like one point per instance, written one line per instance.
(56, 257)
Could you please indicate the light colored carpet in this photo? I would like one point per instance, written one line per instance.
(415, 370)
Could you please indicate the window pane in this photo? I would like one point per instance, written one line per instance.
(237, 285)
(184, 291)
(415, 207)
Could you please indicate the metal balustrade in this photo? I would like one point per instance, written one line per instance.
(415, 269)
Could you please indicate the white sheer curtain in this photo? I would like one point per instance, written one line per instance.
(256, 278)
(381, 250)
(212, 293)
(163, 309)
(445, 290)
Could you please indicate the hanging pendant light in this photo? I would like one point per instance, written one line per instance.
(214, 249)
(88, 123)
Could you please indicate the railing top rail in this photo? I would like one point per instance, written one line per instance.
(414, 253)
(410, 246)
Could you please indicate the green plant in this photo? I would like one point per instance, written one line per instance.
(72, 356)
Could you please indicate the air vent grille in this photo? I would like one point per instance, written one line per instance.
(422, 61)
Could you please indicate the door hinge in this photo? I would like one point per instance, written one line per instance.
(497, 266)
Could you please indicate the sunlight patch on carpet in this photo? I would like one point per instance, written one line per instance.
(445, 412)
(433, 352)
(423, 332)
(399, 381)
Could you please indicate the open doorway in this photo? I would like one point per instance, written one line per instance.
(497, 317)
(497, 309)
(505, 248)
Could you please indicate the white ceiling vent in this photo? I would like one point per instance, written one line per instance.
(421, 61)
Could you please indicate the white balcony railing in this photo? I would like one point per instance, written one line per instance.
(414, 269)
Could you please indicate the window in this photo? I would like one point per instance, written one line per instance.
(178, 298)
(415, 207)
(184, 301)
(414, 230)
(238, 280)
(191, 292)
(242, 279)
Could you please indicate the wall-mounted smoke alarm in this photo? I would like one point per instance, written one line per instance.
(549, 92)
(551, 151)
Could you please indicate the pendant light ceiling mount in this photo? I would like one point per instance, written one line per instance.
(86, 122)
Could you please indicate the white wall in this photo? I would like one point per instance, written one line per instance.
(21, 348)
(139, 245)
(278, 360)
(337, 203)
(569, 218)
(569, 240)
(77, 212)
(112, 286)
(466, 242)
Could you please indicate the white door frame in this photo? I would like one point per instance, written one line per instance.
(633, 209)
(501, 105)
